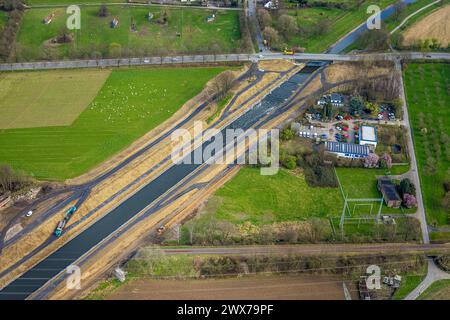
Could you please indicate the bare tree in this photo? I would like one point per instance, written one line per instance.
(264, 17)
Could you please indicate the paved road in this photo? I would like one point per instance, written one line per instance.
(434, 274)
(198, 59)
(413, 14)
(310, 249)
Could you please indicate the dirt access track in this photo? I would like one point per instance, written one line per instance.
(125, 183)
(260, 287)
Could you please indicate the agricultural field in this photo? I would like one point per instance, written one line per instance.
(428, 97)
(320, 28)
(130, 103)
(186, 31)
(44, 99)
(433, 26)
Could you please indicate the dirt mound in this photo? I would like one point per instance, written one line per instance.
(434, 26)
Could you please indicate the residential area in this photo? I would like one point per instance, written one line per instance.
(224, 150)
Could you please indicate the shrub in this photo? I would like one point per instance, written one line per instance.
(289, 162)
(406, 186)
(409, 201)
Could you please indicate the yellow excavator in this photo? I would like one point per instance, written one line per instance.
(289, 52)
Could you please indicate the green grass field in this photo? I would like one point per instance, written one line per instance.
(342, 21)
(428, 95)
(249, 196)
(44, 99)
(131, 102)
(186, 32)
(439, 290)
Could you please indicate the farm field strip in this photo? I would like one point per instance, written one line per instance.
(428, 97)
(47, 98)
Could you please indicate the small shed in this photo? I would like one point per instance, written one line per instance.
(389, 191)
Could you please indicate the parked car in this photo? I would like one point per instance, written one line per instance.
(29, 213)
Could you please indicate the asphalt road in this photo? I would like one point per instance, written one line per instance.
(420, 213)
(175, 60)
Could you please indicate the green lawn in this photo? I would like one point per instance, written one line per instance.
(342, 21)
(131, 102)
(3, 19)
(439, 290)
(186, 32)
(249, 196)
(44, 99)
(428, 95)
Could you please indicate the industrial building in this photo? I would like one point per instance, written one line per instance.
(347, 150)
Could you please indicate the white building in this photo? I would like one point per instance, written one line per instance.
(368, 136)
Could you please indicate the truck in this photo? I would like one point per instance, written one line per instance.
(60, 227)
(288, 52)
